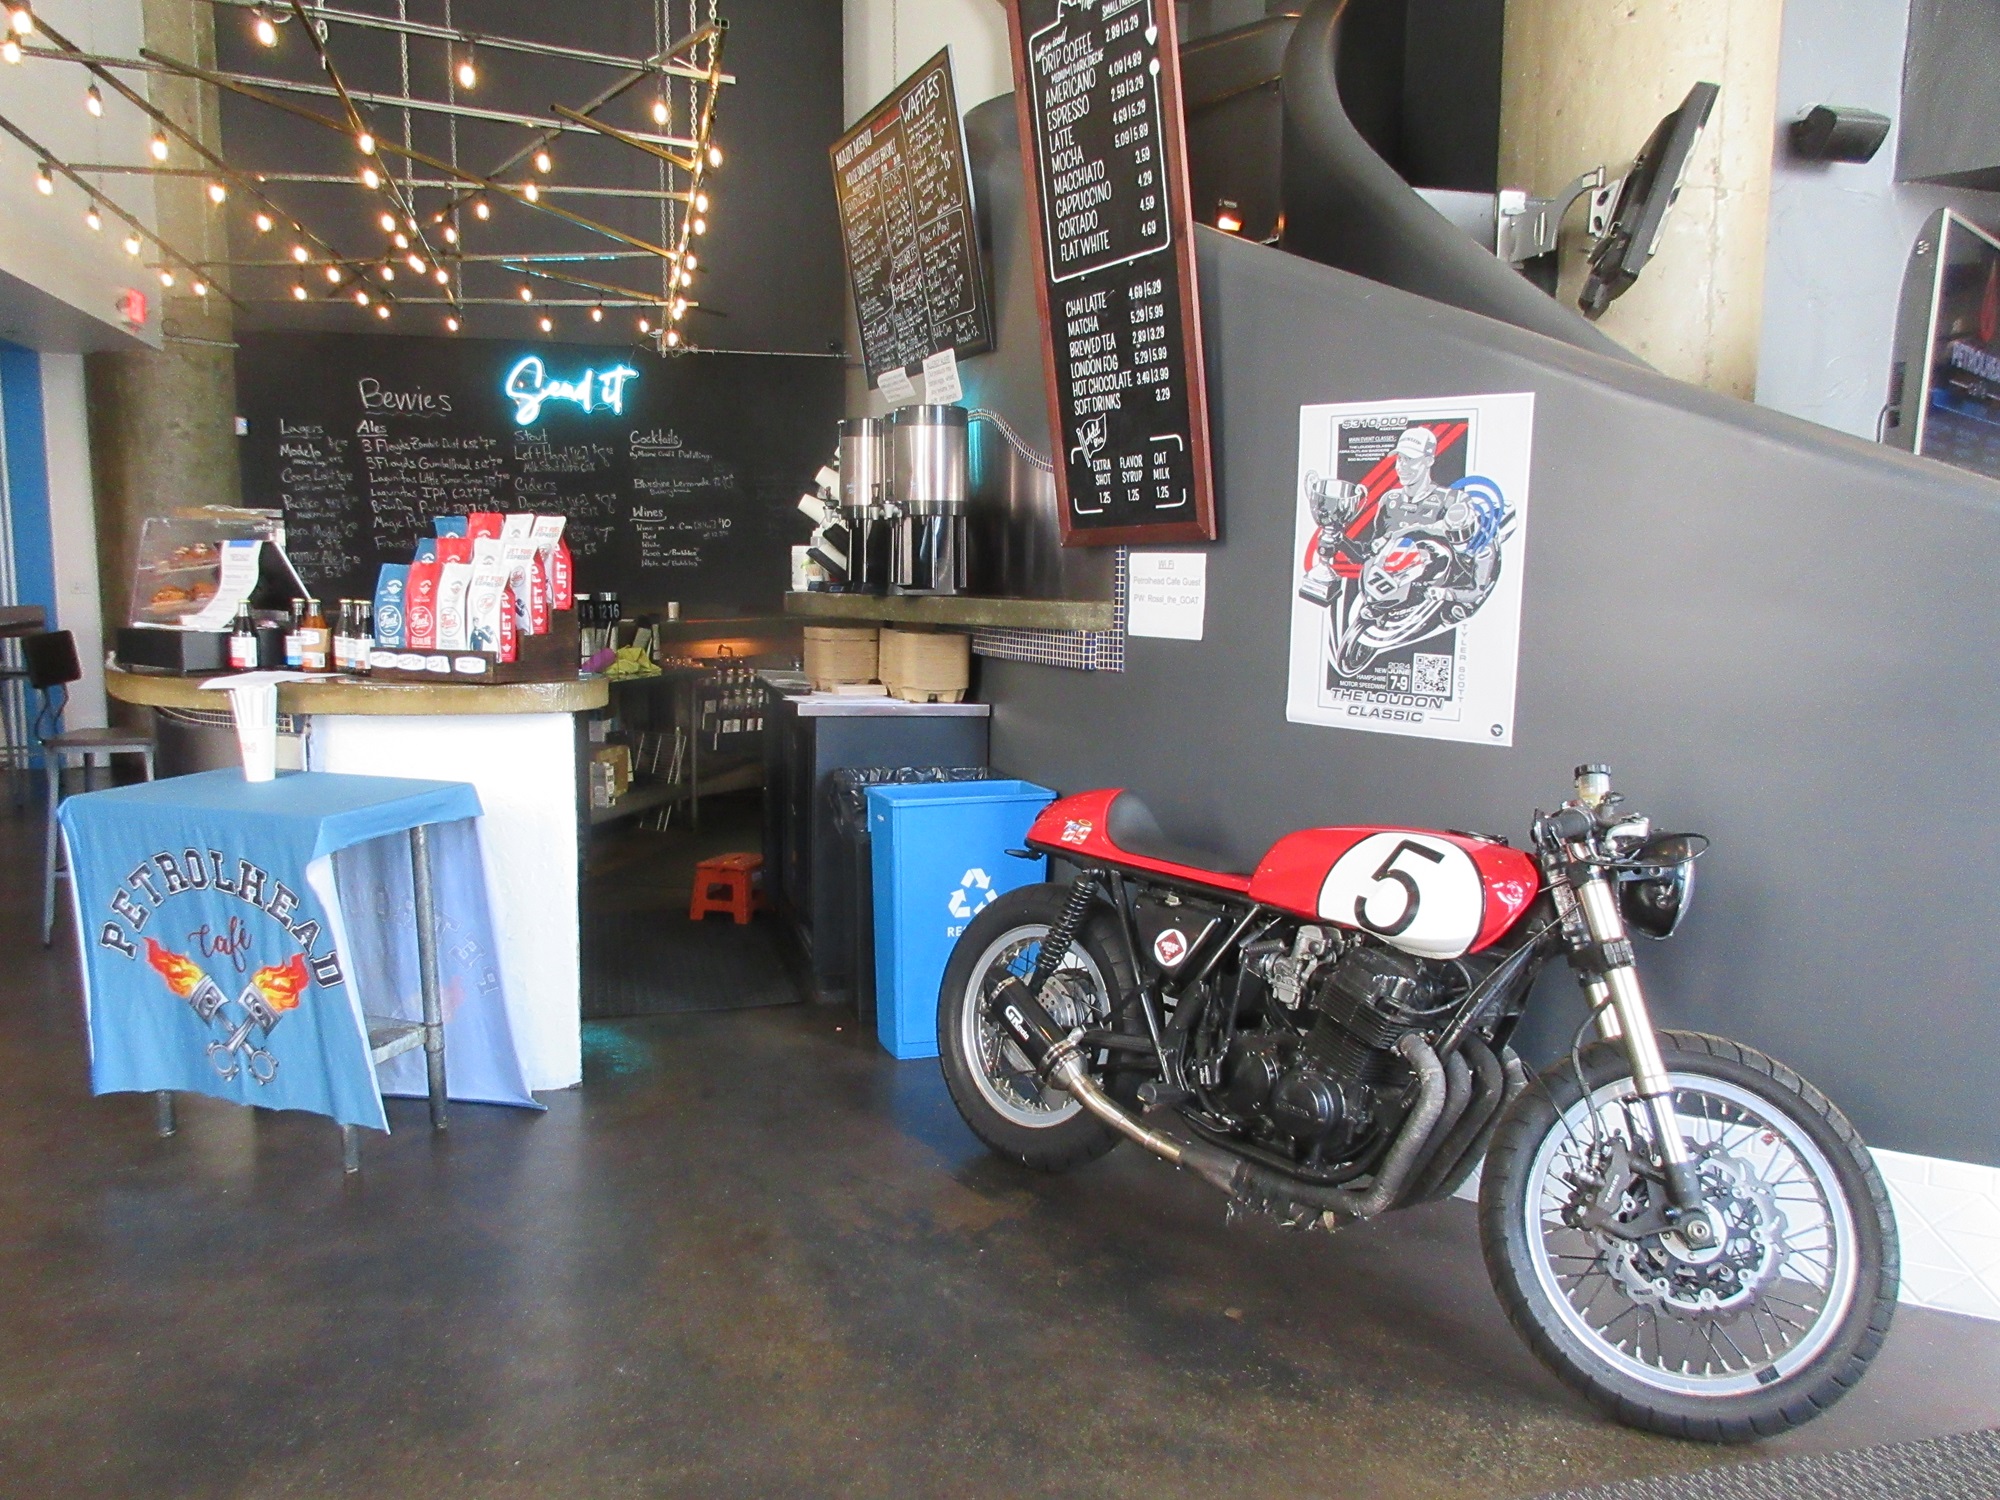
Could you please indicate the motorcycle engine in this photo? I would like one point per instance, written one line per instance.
(1317, 1084)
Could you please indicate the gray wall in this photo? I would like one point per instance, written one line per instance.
(1840, 234)
(1778, 636)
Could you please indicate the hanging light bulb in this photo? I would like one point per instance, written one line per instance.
(45, 184)
(479, 207)
(388, 222)
(645, 326)
(402, 240)
(673, 337)
(131, 244)
(333, 274)
(91, 218)
(199, 288)
(543, 161)
(597, 315)
(680, 306)
(451, 325)
(532, 193)
(166, 278)
(527, 293)
(443, 276)
(94, 102)
(701, 203)
(301, 254)
(382, 310)
(548, 325)
(468, 71)
(370, 178)
(413, 225)
(701, 226)
(661, 114)
(217, 192)
(22, 18)
(388, 273)
(691, 263)
(263, 223)
(265, 29)
(450, 234)
(715, 156)
(298, 292)
(415, 263)
(158, 146)
(10, 50)
(366, 142)
(360, 297)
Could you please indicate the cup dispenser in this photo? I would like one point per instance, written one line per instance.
(927, 487)
(864, 483)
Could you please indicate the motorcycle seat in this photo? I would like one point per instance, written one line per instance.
(1131, 826)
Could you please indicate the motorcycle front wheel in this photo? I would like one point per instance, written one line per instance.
(1018, 1115)
(1758, 1330)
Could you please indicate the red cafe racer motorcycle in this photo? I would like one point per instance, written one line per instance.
(1684, 1230)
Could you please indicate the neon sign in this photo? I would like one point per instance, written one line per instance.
(528, 386)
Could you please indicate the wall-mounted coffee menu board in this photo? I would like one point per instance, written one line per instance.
(906, 216)
(680, 476)
(1097, 86)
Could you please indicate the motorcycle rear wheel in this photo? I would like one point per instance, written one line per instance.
(1013, 1113)
(1745, 1340)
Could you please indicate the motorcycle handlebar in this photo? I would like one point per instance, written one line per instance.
(1570, 824)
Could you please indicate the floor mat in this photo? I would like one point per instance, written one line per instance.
(1964, 1467)
(651, 963)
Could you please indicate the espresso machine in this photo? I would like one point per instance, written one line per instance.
(864, 478)
(927, 483)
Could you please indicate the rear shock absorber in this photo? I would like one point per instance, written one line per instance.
(1056, 946)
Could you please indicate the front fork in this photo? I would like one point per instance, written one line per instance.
(1619, 1005)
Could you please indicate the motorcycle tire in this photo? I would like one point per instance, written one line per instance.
(1736, 1107)
(1031, 1124)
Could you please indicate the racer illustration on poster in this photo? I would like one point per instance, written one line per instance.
(1412, 526)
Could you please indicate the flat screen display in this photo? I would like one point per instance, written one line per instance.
(1959, 422)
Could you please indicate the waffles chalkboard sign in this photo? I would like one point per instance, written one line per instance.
(906, 217)
(1096, 83)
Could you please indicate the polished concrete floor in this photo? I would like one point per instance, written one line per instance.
(752, 1256)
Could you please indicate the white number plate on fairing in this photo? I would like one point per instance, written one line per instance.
(1415, 892)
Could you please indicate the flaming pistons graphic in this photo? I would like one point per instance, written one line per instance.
(272, 991)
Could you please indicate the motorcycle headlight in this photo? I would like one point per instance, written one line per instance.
(1656, 884)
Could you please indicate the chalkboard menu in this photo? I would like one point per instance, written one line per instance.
(1097, 86)
(680, 477)
(906, 216)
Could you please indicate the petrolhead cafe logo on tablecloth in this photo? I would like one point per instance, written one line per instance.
(269, 993)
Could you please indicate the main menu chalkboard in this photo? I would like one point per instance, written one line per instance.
(906, 216)
(680, 477)
(1096, 83)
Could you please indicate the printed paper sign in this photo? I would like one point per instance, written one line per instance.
(1167, 594)
(896, 387)
(1406, 565)
(941, 387)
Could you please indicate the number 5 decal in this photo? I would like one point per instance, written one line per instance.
(1415, 891)
(1413, 895)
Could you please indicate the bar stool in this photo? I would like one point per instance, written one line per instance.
(52, 667)
(727, 883)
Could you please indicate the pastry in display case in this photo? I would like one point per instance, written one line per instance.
(195, 569)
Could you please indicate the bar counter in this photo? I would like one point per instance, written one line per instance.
(517, 744)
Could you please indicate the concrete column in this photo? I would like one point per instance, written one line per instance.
(163, 425)
(1583, 83)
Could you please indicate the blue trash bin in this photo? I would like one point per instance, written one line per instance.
(940, 854)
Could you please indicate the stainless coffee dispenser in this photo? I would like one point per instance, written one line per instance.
(864, 477)
(927, 462)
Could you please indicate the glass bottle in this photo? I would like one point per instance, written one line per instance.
(313, 640)
(243, 640)
(292, 637)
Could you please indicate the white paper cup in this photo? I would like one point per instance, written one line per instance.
(255, 709)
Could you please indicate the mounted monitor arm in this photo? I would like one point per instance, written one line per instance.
(1648, 190)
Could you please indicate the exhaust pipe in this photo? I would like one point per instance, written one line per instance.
(1056, 1057)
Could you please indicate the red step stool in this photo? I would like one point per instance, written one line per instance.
(727, 883)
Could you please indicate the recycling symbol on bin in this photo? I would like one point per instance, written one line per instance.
(963, 903)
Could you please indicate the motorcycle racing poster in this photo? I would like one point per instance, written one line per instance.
(1406, 565)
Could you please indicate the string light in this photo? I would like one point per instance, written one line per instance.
(680, 306)
(366, 142)
(360, 297)
(10, 50)
(468, 72)
(402, 240)
(479, 208)
(415, 263)
(333, 274)
(23, 19)
(451, 325)
(217, 192)
(597, 315)
(388, 273)
(527, 293)
(301, 254)
(166, 278)
(673, 337)
(158, 146)
(200, 288)
(263, 223)
(94, 102)
(265, 28)
(131, 244)
(548, 325)
(714, 156)
(370, 178)
(644, 326)
(691, 262)
(543, 161)
(701, 226)
(44, 183)
(298, 292)
(388, 222)
(443, 276)
(450, 235)
(382, 310)
(661, 114)
(91, 218)
(701, 203)
(532, 193)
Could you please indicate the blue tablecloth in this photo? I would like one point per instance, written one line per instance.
(215, 944)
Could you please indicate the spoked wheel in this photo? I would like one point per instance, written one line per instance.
(991, 1081)
(1755, 1324)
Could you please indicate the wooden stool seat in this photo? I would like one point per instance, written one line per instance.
(727, 883)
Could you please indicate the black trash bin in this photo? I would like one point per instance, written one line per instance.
(848, 790)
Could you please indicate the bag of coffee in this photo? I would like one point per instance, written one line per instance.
(554, 551)
(390, 586)
(449, 525)
(420, 606)
(486, 596)
(454, 579)
(483, 523)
